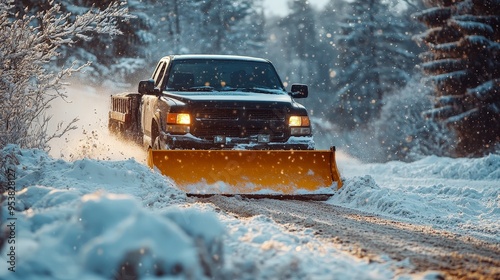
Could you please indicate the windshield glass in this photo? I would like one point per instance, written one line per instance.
(223, 75)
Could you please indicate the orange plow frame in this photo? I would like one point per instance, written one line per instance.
(234, 172)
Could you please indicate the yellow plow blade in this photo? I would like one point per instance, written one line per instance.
(248, 171)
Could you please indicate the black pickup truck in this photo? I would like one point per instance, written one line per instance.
(213, 102)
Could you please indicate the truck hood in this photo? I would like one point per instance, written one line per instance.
(189, 97)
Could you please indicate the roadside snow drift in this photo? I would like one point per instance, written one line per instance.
(460, 195)
(94, 219)
(82, 220)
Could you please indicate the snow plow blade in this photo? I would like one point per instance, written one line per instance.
(252, 173)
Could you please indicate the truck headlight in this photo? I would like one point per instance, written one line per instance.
(178, 123)
(298, 121)
(178, 118)
(299, 125)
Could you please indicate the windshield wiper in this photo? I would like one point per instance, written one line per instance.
(252, 89)
(201, 88)
(228, 89)
(258, 89)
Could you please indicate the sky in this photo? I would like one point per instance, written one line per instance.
(280, 7)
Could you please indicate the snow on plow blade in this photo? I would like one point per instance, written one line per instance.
(248, 172)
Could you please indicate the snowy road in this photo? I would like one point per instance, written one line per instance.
(425, 220)
(376, 237)
(428, 219)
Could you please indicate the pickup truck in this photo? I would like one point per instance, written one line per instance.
(205, 102)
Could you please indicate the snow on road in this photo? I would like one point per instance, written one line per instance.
(85, 219)
(460, 195)
(92, 210)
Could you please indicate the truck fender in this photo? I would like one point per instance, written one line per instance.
(156, 128)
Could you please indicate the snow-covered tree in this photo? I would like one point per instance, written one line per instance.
(295, 47)
(168, 27)
(119, 57)
(114, 57)
(328, 23)
(301, 38)
(224, 27)
(215, 27)
(375, 59)
(402, 131)
(159, 28)
(463, 63)
(27, 84)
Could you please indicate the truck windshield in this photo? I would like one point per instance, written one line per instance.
(223, 75)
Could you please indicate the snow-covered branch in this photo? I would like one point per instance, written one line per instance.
(464, 63)
(27, 86)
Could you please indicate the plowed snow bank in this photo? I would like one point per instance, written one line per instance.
(461, 195)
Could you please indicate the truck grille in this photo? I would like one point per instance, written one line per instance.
(238, 123)
(265, 115)
(217, 114)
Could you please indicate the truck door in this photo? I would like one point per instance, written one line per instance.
(149, 102)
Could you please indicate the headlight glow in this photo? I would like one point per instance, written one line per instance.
(178, 118)
(183, 119)
(298, 121)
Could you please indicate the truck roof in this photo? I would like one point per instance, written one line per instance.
(214, 56)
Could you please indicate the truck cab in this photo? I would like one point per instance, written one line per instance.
(215, 102)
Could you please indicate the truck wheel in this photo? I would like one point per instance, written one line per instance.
(157, 144)
(155, 136)
(115, 128)
(112, 126)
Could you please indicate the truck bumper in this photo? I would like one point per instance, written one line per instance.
(189, 142)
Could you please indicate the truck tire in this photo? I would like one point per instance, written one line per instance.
(115, 128)
(155, 136)
(157, 144)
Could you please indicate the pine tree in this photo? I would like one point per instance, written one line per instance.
(222, 27)
(168, 26)
(302, 36)
(328, 27)
(375, 59)
(463, 62)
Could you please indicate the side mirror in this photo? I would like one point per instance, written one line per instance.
(147, 87)
(299, 91)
